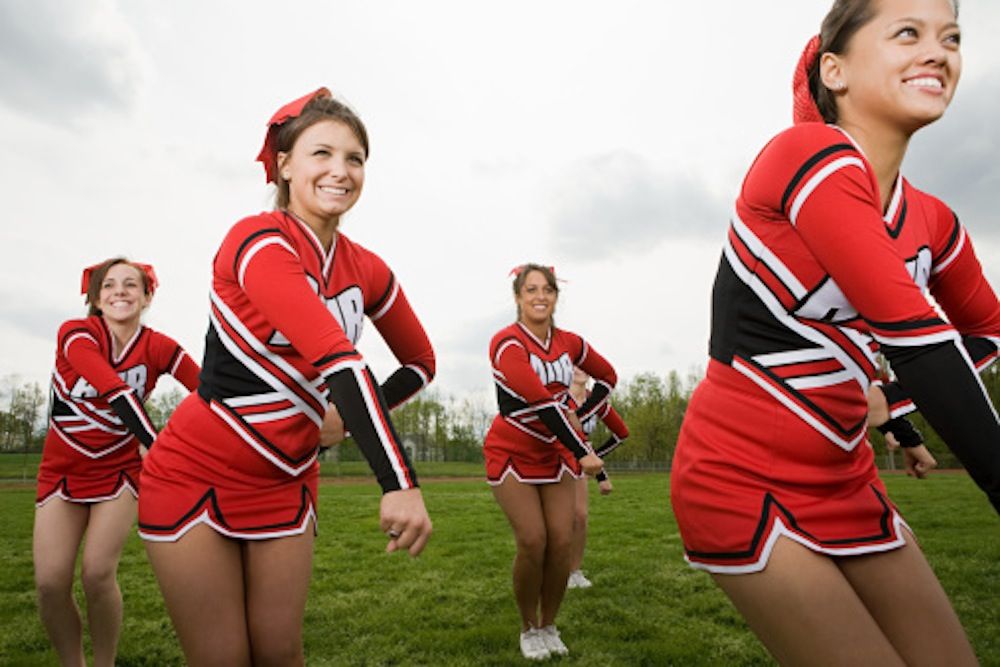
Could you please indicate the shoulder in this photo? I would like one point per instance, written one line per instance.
(927, 201)
(255, 225)
(567, 338)
(90, 325)
(508, 335)
(796, 160)
(360, 253)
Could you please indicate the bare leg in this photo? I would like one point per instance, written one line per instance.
(523, 506)
(905, 598)
(806, 612)
(107, 530)
(201, 577)
(558, 502)
(59, 527)
(277, 583)
(579, 524)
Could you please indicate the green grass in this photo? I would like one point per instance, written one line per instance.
(454, 606)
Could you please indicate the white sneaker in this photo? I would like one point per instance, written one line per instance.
(578, 580)
(552, 641)
(533, 645)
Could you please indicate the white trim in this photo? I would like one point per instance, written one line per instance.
(205, 519)
(817, 179)
(263, 451)
(262, 350)
(89, 501)
(509, 471)
(375, 415)
(815, 381)
(388, 304)
(86, 452)
(256, 247)
(800, 356)
(953, 255)
(778, 529)
(79, 334)
(795, 408)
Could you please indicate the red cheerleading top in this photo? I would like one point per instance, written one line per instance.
(285, 317)
(532, 380)
(97, 397)
(814, 279)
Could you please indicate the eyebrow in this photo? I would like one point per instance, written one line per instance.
(922, 23)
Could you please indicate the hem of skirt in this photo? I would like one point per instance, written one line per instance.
(89, 500)
(779, 529)
(509, 470)
(206, 519)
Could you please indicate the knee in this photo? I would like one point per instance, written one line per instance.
(52, 585)
(532, 545)
(580, 518)
(559, 542)
(98, 577)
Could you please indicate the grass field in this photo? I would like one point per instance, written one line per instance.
(454, 606)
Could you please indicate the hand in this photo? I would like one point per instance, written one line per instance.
(332, 431)
(878, 406)
(605, 487)
(143, 450)
(403, 517)
(919, 461)
(591, 464)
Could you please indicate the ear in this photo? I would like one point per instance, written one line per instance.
(832, 71)
(282, 161)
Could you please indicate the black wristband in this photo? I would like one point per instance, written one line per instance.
(906, 433)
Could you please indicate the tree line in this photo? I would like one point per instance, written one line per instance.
(437, 427)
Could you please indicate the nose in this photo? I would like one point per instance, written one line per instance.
(337, 166)
(934, 52)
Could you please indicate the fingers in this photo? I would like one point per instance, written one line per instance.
(890, 442)
(412, 536)
(919, 461)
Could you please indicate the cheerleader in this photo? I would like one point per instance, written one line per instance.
(578, 392)
(535, 449)
(230, 514)
(106, 366)
(773, 482)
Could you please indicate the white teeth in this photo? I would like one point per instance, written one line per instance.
(335, 191)
(924, 82)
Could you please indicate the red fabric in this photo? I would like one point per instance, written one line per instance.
(269, 152)
(200, 474)
(745, 471)
(151, 280)
(538, 374)
(804, 109)
(89, 454)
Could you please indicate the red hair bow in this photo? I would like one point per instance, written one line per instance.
(516, 271)
(151, 282)
(804, 109)
(269, 153)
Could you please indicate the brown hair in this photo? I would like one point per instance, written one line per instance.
(843, 20)
(97, 279)
(521, 274)
(318, 109)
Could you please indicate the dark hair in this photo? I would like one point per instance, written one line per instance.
(97, 279)
(316, 110)
(843, 20)
(522, 274)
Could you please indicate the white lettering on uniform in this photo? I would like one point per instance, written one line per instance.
(134, 377)
(347, 308)
(558, 371)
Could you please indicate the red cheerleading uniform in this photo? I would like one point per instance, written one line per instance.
(96, 419)
(531, 438)
(240, 455)
(814, 279)
(616, 425)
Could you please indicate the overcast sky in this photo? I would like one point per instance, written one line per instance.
(608, 139)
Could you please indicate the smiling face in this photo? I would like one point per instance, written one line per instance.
(899, 69)
(536, 300)
(122, 297)
(325, 170)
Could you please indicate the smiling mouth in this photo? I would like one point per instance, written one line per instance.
(333, 190)
(925, 82)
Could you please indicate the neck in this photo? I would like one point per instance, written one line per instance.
(539, 329)
(121, 333)
(324, 228)
(578, 392)
(885, 149)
